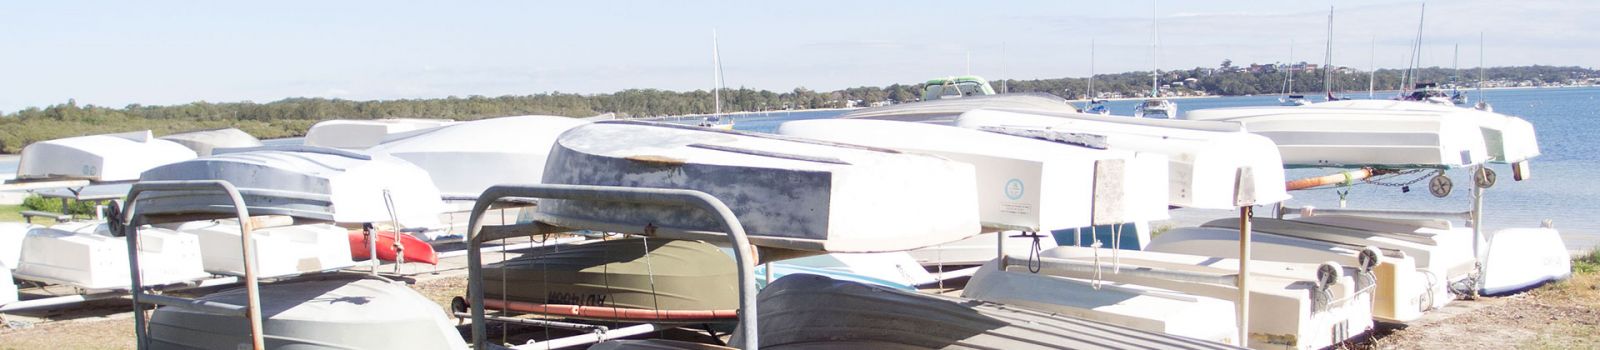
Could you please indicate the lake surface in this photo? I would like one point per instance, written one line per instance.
(1566, 120)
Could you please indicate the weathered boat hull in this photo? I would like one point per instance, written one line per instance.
(280, 251)
(309, 183)
(329, 313)
(788, 193)
(814, 312)
(85, 255)
(632, 273)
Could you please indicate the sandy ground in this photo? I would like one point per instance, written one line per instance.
(1564, 315)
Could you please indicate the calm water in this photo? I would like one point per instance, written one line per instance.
(1565, 119)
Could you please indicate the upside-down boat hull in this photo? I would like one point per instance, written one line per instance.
(788, 193)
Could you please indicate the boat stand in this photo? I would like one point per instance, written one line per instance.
(129, 227)
(477, 233)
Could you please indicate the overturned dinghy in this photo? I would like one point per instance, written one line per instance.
(465, 158)
(1211, 164)
(808, 311)
(361, 134)
(338, 313)
(1300, 306)
(1403, 291)
(304, 182)
(99, 158)
(1328, 137)
(1510, 139)
(86, 255)
(788, 193)
(281, 250)
(203, 142)
(1023, 184)
(631, 279)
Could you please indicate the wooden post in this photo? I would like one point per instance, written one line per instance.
(1244, 276)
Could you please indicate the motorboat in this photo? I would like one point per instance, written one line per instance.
(956, 87)
(465, 158)
(363, 133)
(203, 142)
(99, 158)
(789, 193)
(343, 312)
(87, 255)
(1293, 100)
(809, 311)
(1156, 109)
(715, 122)
(312, 183)
(1428, 93)
(1325, 137)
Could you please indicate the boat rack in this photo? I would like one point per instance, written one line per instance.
(129, 227)
(477, 234)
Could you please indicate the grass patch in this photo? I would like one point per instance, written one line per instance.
(1587, 263)
(11, 213)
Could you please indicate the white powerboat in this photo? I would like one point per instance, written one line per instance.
(1293, 100)
(99, 158)
(1156, 109)
(465, 158)
(203, 142)
(361, 134)
(789, 193)
(305, 182)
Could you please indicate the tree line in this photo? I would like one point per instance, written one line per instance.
(293, 116)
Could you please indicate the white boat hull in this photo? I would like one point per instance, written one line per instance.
(361, 134)
(1331, 137)
(1403, 291)
(787, 193)
(465, 158)
(205, 141)
(311, 183)
(1022, 183)
(280, 251)
(11, 237)
(1521, 258)
(1211, 165)
(1132, 306)
(979, 249)
(84, 255)
(1510, 139)
(1284, 311)
(103, 158)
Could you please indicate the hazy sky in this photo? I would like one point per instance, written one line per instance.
(120, 52)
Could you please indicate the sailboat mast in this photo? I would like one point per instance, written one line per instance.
(716, 75)
(1416, 49)
(1480, 67)
(1327, 60)
(1090, 95)
(1003, 66)
(1372, 74)
(1155, 53)
(1288, 84)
